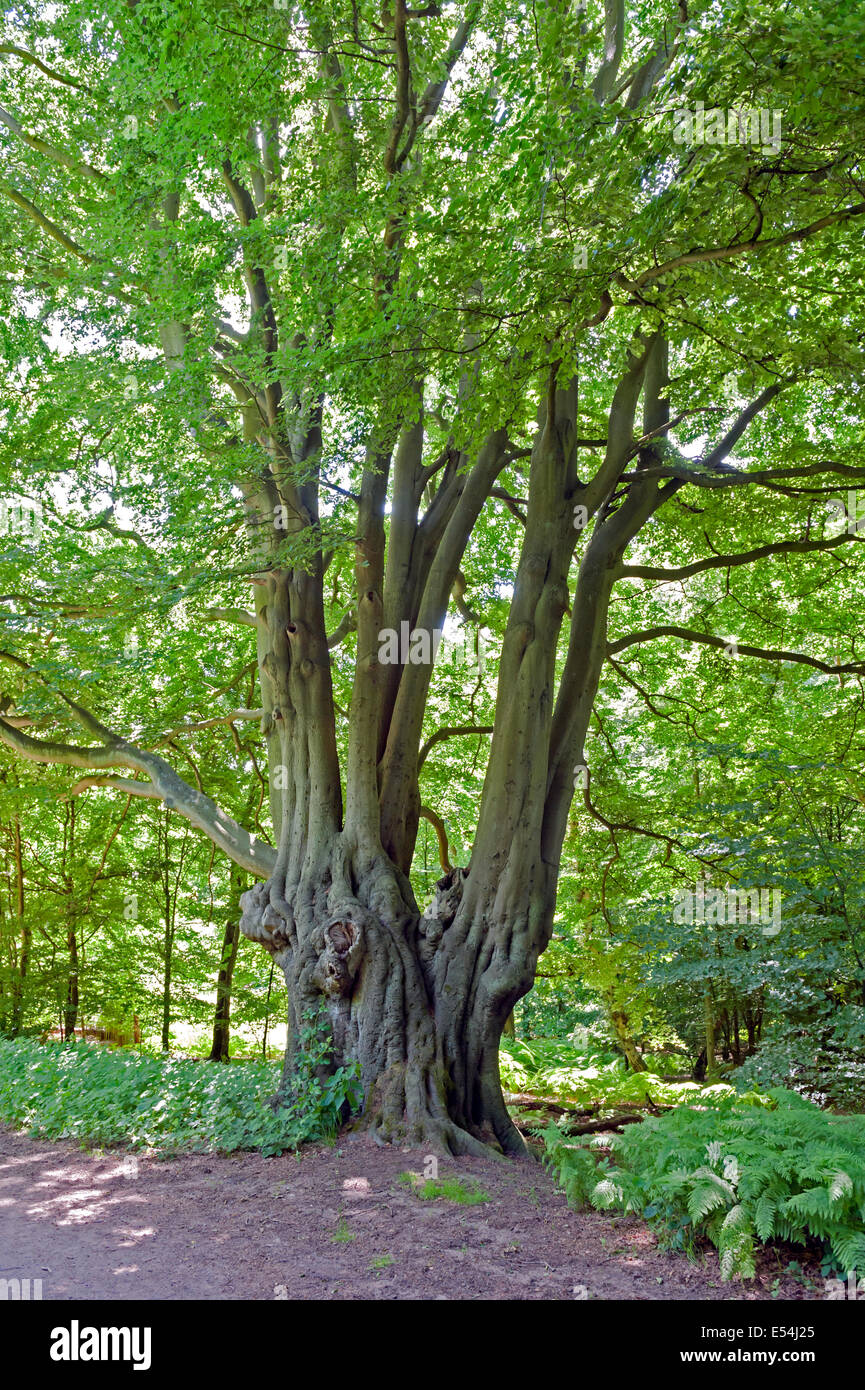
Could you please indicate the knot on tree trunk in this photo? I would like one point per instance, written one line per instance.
(260, 921)
(444, 906)
(341, 956)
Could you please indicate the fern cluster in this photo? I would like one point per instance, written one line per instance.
(737, 1175)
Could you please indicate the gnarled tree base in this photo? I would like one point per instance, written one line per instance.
(417, 1001)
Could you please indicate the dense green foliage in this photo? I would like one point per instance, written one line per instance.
(125, 912)
(98, 1096)
(553, 1068)
(785, 995)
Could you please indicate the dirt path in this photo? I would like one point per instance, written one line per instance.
(115, 1225)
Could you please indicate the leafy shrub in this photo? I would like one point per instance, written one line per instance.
(825, 1065)
(77, 1091)
(734, 1174)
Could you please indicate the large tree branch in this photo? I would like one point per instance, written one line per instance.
(346, 624)
(647, 76)
(740, 248)
(57, 234)
(120, 784)
(711, 470)
(34, 61)
(620, 430)
(177, 795)
(687, 471)
(432, 98)
(260, 301)
(745, 557)
(717, 455)
(587, 647)
(230, 615)
(438, 826)
(403, 89)
(651, 634)
(237, 716)
(398, 767)
(51, 152)
(614, 43)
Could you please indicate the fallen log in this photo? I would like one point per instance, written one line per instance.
(528, 1102)
(582, 1119)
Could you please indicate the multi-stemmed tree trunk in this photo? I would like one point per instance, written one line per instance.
(387, 349)
(420, 999)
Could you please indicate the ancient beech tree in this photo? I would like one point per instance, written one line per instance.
(376, 270)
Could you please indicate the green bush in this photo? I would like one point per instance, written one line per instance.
(735, 1174)
(824, 1064)
(88, 1093)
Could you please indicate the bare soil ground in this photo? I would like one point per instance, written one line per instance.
(335, 1223)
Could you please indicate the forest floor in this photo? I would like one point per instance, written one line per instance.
(335, 1223)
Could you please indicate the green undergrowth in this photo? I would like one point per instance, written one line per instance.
(94, 1095)
(554, 1068)
(736, 1174)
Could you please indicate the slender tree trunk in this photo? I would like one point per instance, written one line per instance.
(726, 1034)
(621, 1027)
(750, 1029)
(219, 1051)
(170, 911)
(70, 1011)
(709, 1023)
(26, 934)
(168, 949)
(167, 952)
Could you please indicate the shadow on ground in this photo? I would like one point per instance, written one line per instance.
(335, 1224)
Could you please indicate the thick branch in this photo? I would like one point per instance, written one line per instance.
(50, 151)
(31, 58)
(739, 248)
(230, 615)
(438, 826)
(252, 854)
(237, 716)
(650, 634)
(745, 557)
(614, 43)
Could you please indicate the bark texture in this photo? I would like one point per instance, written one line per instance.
(418, 1000)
